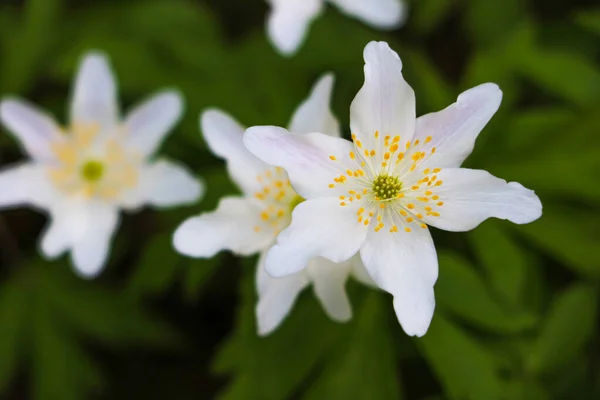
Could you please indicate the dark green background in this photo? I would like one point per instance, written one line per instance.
(517, 306)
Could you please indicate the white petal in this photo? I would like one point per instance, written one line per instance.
(149, 123)
(405, 265)
(164, 184)
(319, 228)
(90, 252)
(329, 283)
(382, 14)
(95, 93)
(360, 273)
(26, 184)
(454, 129)
(472, 196)
(305, 157)
(385, 103)
(276, 297)
(289, 20)
(224, 137)
(314, 114)
(35, 129)
(230, 227)
(65, 227)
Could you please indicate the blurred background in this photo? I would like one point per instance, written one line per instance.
(517, 306)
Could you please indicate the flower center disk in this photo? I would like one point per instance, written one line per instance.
(92, 171)
(386, 187)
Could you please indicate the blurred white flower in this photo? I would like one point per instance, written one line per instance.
(289, 20)
(378, 194)
(249, 223)
(83, 174)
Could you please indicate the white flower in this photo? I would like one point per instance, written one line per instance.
(84, 173)
(378, 194)
(249, 223)
(289, 19)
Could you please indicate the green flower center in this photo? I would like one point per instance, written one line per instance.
(386, 187)
(92, 171)
(295, 201)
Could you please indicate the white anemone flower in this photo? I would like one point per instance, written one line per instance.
(83, 174)
(378, 194)
(289, 20)
(249, 223)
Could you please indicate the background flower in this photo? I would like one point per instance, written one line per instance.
(508, 296)
(84, 173)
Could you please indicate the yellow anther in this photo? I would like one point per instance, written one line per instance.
(400, 195)
(407, 229)
(372, 153)
(410, 219)
(379, 218)
(436, 170)
(417, 142)
(332, 158)
(439, 204)
(264, 216)
(419, 216)
(360, 211)
(415, 187)
(423, 226)
(342, 197)
(342, 204)
(435, 214)
(366, 153)
(257, 229)
(381, 205)
(280, 213)
(428, 139)
(435, 197)
(428, 208)
(366, 222)
(353, 136)
(438, 183)
(426, 171)
(396, 139)
(360, 219)
(358, 197)
(410, 206)
(352, 155)
(403, 213)
(433, 150)
(386, 156)
(362, 164)
(428, 192)
(364, 191)
(370, 213)
(359, 144)
(376, 134)
(331, 185)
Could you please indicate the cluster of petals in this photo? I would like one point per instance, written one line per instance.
(289, 20)
(379, 193)
(249, 223)
(84, 173)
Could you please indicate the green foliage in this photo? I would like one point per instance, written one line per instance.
(517, 306)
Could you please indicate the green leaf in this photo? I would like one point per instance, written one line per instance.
(465, 368)
(13, 304)
(363, 367)
(568, 75)
(461, 291)
(570, 235)
(429, 14)
(488, 24)
(504, 261)
(589, 19)
(198, 273)
(274, 366)
(569, 325)
(29, 44)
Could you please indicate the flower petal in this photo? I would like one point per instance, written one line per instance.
(33, 128)
(329, 283)
(454, 129)
(149, 123)
(471, 196)
(360, 273)
(405, 265)
(276, 297)
(384, 14)
(67, 224)
(289, 21)
(224, 137)
(314, 114)
(319, 228)
(164, 184)
(26, 184)
(90, 251)
(385, 103)
(230, 227)
(305, 157)
(95, 93)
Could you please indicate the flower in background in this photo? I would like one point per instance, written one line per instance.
(379, 193)
(289, 19)
(249, 223)
(85, 173)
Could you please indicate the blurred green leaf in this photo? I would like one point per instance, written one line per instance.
(569, 325)
(362, 367)
(13, 303)
(274, 366)
(504, 261)
(464, 367)
(570, 235)
(435, 93)
(426, 15)
(488, 22)
(31, 42)
(568, 75)
(589, 19)
(461, 291)
(198, 273)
